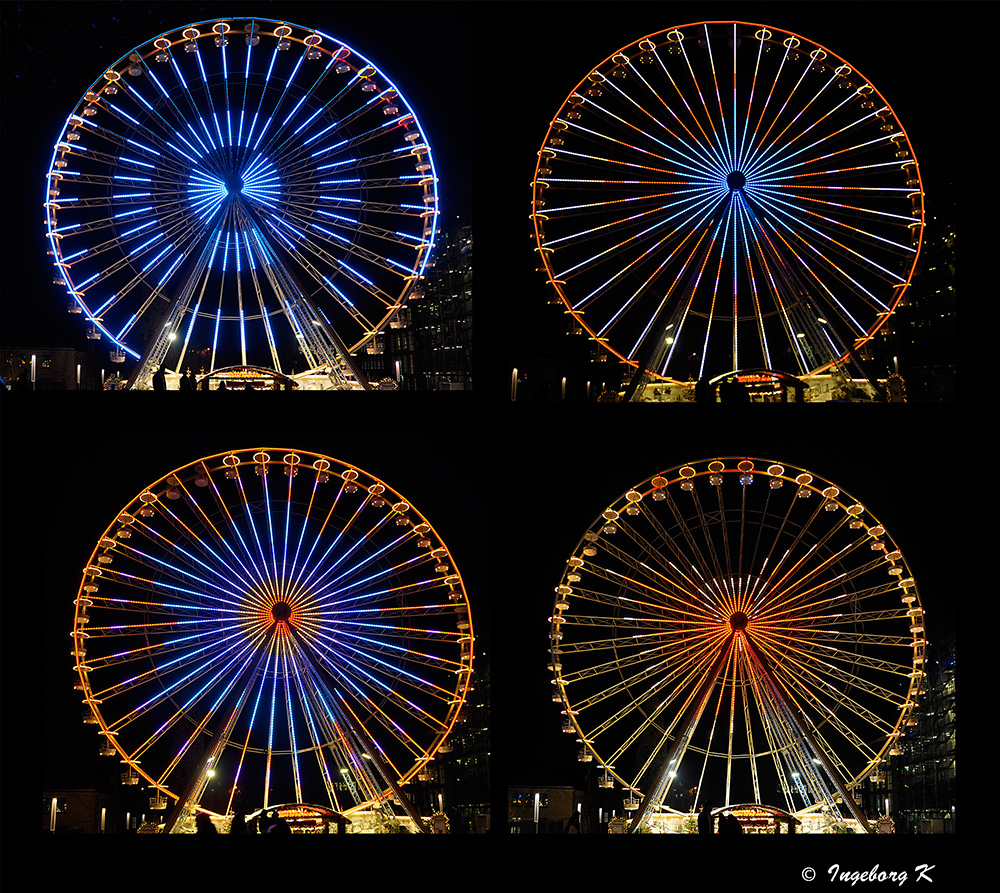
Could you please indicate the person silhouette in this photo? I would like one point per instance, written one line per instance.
(239, 823)
(706, 823)
(729, 824)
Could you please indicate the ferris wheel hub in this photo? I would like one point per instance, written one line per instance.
(736, 180)
(738, 621)
(281, 611)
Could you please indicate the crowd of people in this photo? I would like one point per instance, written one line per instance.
(728, 823)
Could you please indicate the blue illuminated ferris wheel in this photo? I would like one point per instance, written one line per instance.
(727, 196)
(241, 192)
(272, 626)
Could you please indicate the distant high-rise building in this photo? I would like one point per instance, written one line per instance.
(919, 782)
(920, 341)
(928, 774)
(458, 779)
(441, 319)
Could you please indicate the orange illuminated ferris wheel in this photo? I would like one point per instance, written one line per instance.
(740, 627)
(272, 626)
(725, 196)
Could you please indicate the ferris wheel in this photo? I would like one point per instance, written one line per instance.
(727, 196)
(742, 627)
(272, 626)
(241, 192)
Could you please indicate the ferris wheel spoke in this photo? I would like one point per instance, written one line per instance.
(157, 657)
(831, 719)
(781, 157)
(807, 677)
(295, 242)
(788, 54)
(333, 581)
(294, 568)
(251, 573)
(660, 679)
(872, 688)
(623, 221)
(668, 606)
(675, 238)
(140, 656)
(667, 585)
(275, 144)
(325, 578)
(645, 666)
(785, 158)
(694, 145)
(685, 724)
(680, 552)
(684, 161)
(772, 730)
(790, 571)
(256, 556)
(309, 708)
(329, 237)
(717, 145)
(184, 710)
(216, 565)
(306, 566)
(830, 241)
(359, 766)
(799, 583)
(823, 263)
(367, 677)
(831, 592)
(419, 714)
(359, 641)
(689, 672)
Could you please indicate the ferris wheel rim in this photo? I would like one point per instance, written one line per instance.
(262, 461)
(605, 641)
(368, 245)
(576, 306)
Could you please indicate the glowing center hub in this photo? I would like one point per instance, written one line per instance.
(738, 622)
(281, 611)
(257, 181)
(736, 180)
